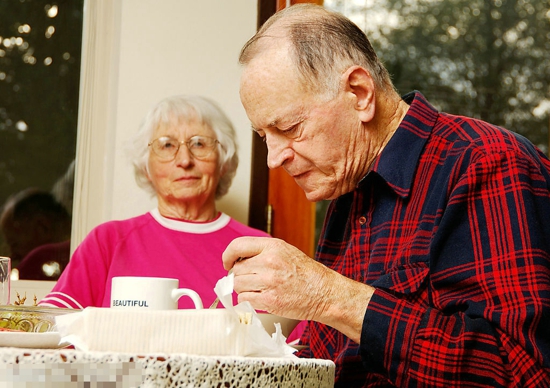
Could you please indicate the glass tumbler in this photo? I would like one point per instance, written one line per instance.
(5, 272)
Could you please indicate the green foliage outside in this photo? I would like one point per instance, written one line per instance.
(488, 59)
(40, 48)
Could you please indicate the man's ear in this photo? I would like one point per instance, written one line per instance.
(360, 84)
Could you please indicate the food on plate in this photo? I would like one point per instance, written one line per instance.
(32, 319)
(23, 321)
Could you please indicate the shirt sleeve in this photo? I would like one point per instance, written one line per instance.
(488, 284)
(82, 283)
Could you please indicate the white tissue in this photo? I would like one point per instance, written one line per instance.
(257, 341)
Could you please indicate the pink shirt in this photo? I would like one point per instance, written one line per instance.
(147, 245)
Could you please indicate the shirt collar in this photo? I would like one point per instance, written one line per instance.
(191, 227)
(398, 161)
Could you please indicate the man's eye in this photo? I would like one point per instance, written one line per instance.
(291, 131)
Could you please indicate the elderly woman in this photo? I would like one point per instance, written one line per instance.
(185, 153)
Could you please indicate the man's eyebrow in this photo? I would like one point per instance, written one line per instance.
(272, 124)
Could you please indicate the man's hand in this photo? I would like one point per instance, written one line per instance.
(282, 280)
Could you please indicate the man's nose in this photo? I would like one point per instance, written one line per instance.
(278, 151)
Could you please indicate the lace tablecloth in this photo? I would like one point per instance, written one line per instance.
(71, 368)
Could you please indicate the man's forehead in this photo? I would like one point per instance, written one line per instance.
(270, 89)
(271, 52)
(264, 72)
(271, 78)
(273, 40)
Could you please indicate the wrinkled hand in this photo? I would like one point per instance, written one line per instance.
(276, 277)
(280, 279)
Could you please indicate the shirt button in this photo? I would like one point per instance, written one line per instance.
(362, 220)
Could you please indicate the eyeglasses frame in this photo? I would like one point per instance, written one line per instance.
(186, 142)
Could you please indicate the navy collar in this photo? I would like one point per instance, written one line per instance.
(398, 161)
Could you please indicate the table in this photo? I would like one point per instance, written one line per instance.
(66, 368)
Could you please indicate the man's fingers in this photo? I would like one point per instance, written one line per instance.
(243, 247)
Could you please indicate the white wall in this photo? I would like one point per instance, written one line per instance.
(135, 53)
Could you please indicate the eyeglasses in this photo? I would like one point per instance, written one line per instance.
(166, 148)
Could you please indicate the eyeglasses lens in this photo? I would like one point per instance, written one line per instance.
(167, 148)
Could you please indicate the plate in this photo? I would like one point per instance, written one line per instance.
(15, 339)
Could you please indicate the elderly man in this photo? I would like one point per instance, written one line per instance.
(434, 264)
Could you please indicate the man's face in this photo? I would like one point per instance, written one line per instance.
(313, 139)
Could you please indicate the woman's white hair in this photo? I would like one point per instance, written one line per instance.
(181, 109)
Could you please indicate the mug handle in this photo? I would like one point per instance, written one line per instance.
(179, 292)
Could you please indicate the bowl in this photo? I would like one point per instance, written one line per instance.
(269, 321)
(33, 319)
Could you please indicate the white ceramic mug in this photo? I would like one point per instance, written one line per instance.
(149, 292)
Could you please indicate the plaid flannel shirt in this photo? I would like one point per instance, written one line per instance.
(452, 228)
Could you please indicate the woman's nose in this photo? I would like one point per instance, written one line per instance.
(184, 156)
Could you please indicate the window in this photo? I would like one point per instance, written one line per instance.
(40, 49)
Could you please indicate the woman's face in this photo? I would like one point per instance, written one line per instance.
(185, 181)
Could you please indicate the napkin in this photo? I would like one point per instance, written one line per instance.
(235, 330)
(257, 341)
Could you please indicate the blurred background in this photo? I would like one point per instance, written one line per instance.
(40, 50)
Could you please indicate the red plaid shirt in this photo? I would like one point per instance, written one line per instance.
(452, 228)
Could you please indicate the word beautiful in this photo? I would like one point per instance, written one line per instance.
(130, 303)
